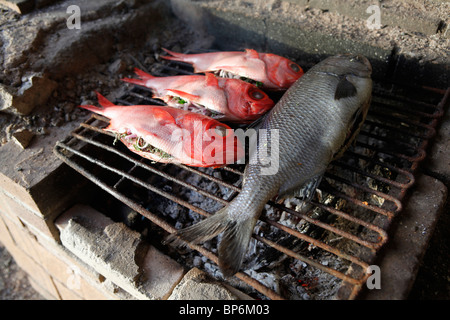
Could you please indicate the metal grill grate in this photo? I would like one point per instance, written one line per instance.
(332, 240)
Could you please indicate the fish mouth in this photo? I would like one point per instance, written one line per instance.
(184, 104)
(361, 59)
(347, 63)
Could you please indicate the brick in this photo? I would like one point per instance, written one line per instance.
(20, 235)
(35, 271)
(44, 293)
(5, 236)
(50, 264)
(28, 217)
(79, 289)
(71, 274)
(65, 293)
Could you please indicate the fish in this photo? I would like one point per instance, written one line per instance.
(313, 123)
(223, 99)
(169, 135)
(268, 70)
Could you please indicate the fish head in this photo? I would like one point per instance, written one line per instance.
(209, 141)
(246, 101)
(344, 64)
(281, 71)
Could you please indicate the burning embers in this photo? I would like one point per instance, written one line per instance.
(298, 250)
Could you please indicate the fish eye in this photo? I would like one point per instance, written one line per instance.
(256, 94)
(294, 67)
(357, 58)
(221, 131)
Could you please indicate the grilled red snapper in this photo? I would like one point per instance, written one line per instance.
(316, 120)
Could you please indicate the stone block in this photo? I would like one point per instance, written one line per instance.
(35, 91)
(118, 253)
(20, 6)
(197, 285)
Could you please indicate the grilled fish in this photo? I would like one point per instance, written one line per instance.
(169, 135)
(268, 70)
(315, 121)
(220, 98)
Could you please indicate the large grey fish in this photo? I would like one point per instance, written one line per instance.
(315, 121)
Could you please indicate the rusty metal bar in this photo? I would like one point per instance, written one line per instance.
(154, 218)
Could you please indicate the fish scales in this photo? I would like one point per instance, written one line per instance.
(316, 120)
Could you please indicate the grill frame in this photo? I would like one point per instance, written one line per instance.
(357, 272)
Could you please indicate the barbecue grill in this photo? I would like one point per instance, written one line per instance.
(319, 250)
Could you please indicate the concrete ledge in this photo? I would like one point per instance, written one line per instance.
(412, 230)
(393, 13)
(308, 35)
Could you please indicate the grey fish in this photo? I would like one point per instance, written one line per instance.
(315, 120)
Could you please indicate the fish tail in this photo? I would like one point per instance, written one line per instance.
(234, 243)
(174, 55)
(138, 82)
(105, 103)
(143, 78)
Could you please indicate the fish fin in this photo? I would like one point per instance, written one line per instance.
(344, 89)
(354, 126)
(182, 94)
(163, 116)
(105, 103)
(211, 80)
(251, 53)
(305, 192)
(142, 74)
(234, 243)
(233, 246)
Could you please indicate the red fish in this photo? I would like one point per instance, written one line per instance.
(272, 71)
(166, 134)
(220, 98)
